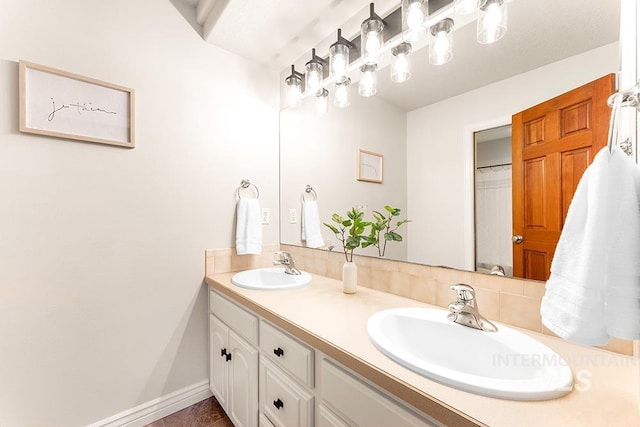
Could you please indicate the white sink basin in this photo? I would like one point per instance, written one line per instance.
(506, 364)
(270, 279)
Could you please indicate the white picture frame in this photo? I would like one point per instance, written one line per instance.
(65, 105)
(369, 166)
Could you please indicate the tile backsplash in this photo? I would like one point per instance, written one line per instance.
(511, 301)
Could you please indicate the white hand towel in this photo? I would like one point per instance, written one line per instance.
(594, 289)
(248, 227)
(311, 225)
(622, 267)
(572, 306)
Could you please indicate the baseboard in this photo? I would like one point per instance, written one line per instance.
(156, 409)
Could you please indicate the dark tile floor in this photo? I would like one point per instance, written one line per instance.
(207, 413)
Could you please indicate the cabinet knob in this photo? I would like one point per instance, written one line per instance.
(278, 352)
(223, 353)
(278, 404)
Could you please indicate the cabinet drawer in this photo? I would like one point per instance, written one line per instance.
(326, 418)
(287, 352)
(360, 403)
(285, 403)
(241, 321)
(264, 421)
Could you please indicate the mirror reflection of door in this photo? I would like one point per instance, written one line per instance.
(553, 143)
(493, 201)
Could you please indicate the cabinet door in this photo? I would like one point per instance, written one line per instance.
(218, 345)
(243, 383)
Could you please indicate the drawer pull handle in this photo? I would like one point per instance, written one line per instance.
(278, 352)
(278, 404)
(223, 353)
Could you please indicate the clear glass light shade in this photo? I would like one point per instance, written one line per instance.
(401, 63)
(294, 90)
(492, 21)
(441, 42)
(322, 102)
(414, 14)
(313, 77)
(465, 7)
(338, 61)
(371, 36)
(368, 82)
(341, 95)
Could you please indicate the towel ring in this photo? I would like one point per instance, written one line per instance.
(245, 183)
(309, 190)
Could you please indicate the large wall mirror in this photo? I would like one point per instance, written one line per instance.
(425, 129)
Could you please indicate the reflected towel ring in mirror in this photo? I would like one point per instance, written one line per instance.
(309, 190)
(245, 183)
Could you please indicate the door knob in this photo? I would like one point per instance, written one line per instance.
(517, 239)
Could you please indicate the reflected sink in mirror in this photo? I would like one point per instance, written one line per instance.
(506, 364)
(270, 279)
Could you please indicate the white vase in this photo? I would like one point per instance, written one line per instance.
(349, 277)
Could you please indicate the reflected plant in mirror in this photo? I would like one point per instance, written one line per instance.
(350, 231)
(384, 224)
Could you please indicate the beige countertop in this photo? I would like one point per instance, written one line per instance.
(607, 390)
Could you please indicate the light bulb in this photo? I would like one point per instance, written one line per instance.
(492, 21)
(339, 66)
(367, 84)
(401, 63)
(493, 18)
(294, 95)
(322, 102)
(341, 95)
(372, 46)
(415, 16)
(441, 44)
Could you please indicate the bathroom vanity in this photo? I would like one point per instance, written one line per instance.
(302, 357)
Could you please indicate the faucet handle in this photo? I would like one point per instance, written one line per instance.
(465, 292)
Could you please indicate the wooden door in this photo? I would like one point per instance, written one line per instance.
(218, 341)
(243, 383)
(553, 143)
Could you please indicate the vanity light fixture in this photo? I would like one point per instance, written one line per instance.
(322, 102)
(414, 17)
(314, 74)
(341, 95)
(465, 7)
(339, 57)
(294, 87)
(371, 37)
(368, 82)
(492, 20)
(401, 63)
(441, 43)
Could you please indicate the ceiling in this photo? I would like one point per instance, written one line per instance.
(278, 33)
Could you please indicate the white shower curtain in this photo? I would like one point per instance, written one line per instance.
(493, 218)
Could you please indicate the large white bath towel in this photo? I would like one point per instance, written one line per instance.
(589, 269)
(311, 233)
(248, 227)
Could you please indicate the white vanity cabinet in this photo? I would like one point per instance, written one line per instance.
(273, 379)
(233, 360)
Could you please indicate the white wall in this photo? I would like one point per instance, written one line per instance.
(102, 305)
(435, 147)
(321, 151)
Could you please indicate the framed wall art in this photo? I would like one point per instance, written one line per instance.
(369, 166)
(65, 105)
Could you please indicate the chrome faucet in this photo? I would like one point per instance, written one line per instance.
(465, 310)
(285, 259)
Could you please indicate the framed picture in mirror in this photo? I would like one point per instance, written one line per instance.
(369, 167)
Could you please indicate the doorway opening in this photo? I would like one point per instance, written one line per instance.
(493, 217)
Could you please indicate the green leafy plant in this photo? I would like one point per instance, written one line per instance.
(384, 225)
(350, 231)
